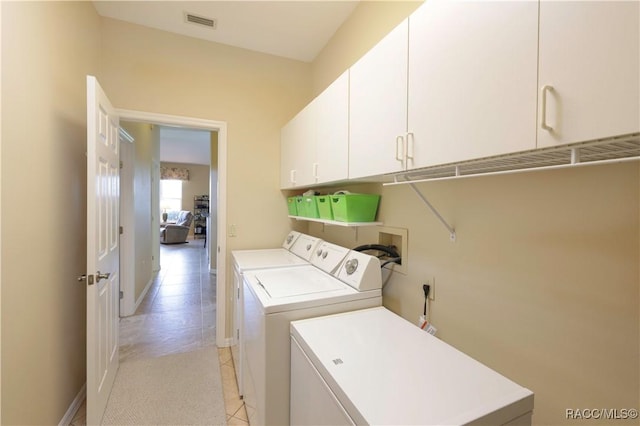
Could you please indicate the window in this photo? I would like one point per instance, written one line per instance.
(170, 198)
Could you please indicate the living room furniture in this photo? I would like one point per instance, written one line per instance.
(176, 233)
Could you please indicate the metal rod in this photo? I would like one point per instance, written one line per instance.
(452, 231)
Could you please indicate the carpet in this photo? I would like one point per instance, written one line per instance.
(179, 389)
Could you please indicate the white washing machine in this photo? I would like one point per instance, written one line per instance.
(374, 367)
(296, 250)
(338, 280)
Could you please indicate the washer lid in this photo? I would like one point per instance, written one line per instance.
(291, 283)
(266, 258)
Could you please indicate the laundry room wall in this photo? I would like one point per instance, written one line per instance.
(543, 282)
(48, 48)
(146, 143)
(145, 69)
(368, 24)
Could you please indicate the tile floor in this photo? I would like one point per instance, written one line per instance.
(178, 315)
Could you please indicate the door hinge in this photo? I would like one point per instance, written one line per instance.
(121, 294)
(120, 163)
(86, 278)
(121, 230)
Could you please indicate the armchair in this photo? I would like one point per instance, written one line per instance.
(176, 233)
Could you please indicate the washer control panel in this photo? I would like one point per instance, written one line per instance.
(361, 271)
(305, 246)
(329, 257)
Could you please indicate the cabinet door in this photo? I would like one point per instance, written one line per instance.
(378, 107)
(298, 149)
(332, 124)
(472, 80)
(589, 59)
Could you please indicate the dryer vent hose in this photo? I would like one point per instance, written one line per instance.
(389, 251)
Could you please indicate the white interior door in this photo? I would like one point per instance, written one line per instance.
(102, 249)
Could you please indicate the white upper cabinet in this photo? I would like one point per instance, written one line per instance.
(589, 74)
(332, 130)
(314, 144)
(298, 149)
(378, 107)
(472, 80)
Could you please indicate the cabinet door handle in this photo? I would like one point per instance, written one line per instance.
(292, 176)
(400, 148)
(410, 143)
(543, 121)
(315, 171)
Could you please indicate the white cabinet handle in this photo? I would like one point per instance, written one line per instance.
(292, 176)
(315, 171)
(410, 138)
(543, 113)
(400, 148)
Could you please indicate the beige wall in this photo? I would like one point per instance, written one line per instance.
(368, 24)
(47, 50)
(543, 282)
(255, 94)
(146, 142)
(198, 184)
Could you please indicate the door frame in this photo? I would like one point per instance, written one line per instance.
(220, 248)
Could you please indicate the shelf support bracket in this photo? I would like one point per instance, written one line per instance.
(452, 231)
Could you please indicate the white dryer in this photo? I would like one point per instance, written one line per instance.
(339, 280)
(296, 251)
(374, 367)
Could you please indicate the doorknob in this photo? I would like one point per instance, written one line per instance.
(102, 276)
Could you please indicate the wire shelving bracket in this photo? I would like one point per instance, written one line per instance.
(452, 231)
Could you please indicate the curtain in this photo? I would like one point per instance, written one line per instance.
(174, 173)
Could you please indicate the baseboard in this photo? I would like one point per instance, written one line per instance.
(142, 295)
(73, 408)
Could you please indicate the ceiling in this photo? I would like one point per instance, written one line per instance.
(178, 145)
(291, 29)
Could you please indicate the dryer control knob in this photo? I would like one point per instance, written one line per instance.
(308, 247)
(318, 252)
(351, 266)
(325, 254)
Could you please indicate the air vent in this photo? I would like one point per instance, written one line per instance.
(200, 20)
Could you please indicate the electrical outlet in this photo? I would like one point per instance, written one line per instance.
(432, 288)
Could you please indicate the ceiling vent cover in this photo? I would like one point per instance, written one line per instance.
(200, 20)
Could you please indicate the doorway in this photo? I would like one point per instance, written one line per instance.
(216, 245)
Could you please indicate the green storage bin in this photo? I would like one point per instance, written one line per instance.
(300, 211)
(354, 207)
(324, 207)
(309, 206)
(292, 206)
